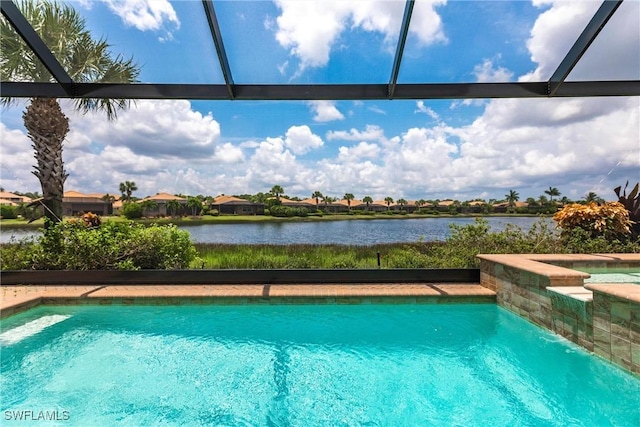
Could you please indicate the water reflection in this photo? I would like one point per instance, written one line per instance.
(352, 232)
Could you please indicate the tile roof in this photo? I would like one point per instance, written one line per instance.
(165, 197)
(220, 200)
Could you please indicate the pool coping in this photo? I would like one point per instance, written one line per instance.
(20, 298)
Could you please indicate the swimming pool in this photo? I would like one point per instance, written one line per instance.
(304, 365)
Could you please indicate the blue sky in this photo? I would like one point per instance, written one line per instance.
(412, 149)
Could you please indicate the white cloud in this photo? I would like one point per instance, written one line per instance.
(325, 111)
(426, 24)
(421, 108)
(147, 15)
(16, 159)
(377, 110)
(486, 72)
(371, 132)
(300, 139)
(554, 32)
(228, 153)
(309, 30)
(361, 151)
(158, 128)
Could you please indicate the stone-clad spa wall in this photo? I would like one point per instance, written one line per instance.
(602, 318)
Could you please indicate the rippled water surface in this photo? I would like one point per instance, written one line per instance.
(395, 365)
(348, 232)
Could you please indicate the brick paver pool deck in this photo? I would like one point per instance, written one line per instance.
(20, 298)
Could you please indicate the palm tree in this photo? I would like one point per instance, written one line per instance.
(420, 203)
(127, 188)
(552, 191)
(108, 198)
(327, 200)
(316, 195)
(148, 205)
(512, 197)
(65, 34)
(592, 197)
(195, 204)
(402, 203)
(348, 197)
(173, 206)
(367, 200)
(388, 200)
(277, 191)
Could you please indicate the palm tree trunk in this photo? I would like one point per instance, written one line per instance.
(47, 127)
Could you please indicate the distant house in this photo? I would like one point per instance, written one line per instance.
(309, 204)
(381, 206)
(75, 203)
(11, 199)
(161, 200)
(504, 206)
(229, 205)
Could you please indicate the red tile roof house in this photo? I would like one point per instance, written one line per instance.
(229, 205)
(11, 199)
(309, 204)
(504, 206)
(161, 199)
(375, 206)
(75, 203)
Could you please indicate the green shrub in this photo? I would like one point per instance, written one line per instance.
(466, 242)
(287, 211)
(132, 210)
(8, 212)
(112, 246)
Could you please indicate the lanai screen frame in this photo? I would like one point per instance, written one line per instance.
(555, 87)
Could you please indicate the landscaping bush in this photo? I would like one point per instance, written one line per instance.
(287, 211)
(111, 246)
(132, 210)
(8, 212)
(466, 242)
(609, 221)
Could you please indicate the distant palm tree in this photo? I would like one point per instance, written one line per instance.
(85, 59)
(127, 188)
(531, 202)
(551, 192)
(108, 198)
(173, 206)
(402, 203)
(420, 203)
(388, 200)
(148, 205)
(543, 200)
(327, 200)
(195, 204)
(348, 197)
(277, 191)
(317, 195)
(367, 200)
(512, 197)
(592, 197)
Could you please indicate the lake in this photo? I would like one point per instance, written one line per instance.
(347, 232)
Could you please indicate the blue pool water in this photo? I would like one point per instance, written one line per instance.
(286, 365)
